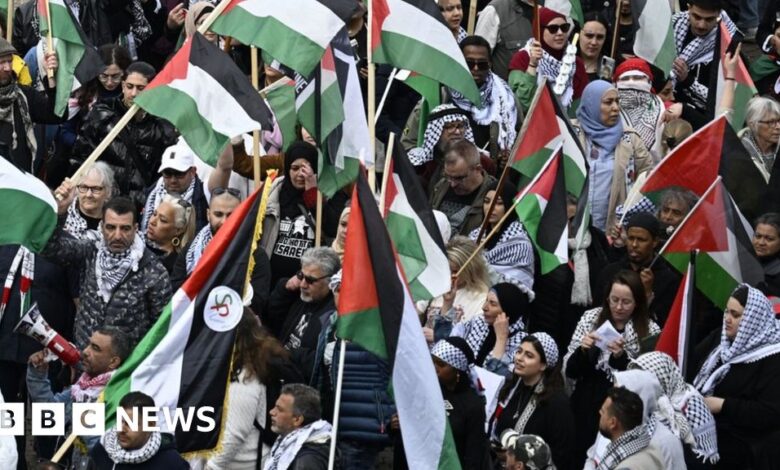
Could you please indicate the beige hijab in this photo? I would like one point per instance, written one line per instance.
(195, 12)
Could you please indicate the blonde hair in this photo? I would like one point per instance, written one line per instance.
(475, 276)
(183, 218)
(675, 132)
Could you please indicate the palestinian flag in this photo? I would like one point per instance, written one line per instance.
(412, 35)
(294, 32)
(376, 312)
(694, 164)
(569, 8)
(185, 359)
(330, 107)
(430, 92)
(413, 229)
(718, 230)
(79, 62)
(745, 89)
(539, 138)
(654, 40)
(281, 99)
(542, 210)
(675, 335)
(207, 97)
(763, 67)
(30, 212)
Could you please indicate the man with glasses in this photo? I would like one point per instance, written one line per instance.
(659, 280)
(300, 307)
(460, 192)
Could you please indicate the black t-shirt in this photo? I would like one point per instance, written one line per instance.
(92, 222)
(296, 235)
(457, 208)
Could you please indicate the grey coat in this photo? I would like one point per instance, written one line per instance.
(134, 305)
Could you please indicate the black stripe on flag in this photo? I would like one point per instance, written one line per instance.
(344, 9)
(554, 223)
(90, 65)
(222, 69)
(428, 7)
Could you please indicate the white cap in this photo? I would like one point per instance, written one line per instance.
(177, 157)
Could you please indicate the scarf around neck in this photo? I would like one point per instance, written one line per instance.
(112, 268)
(119, 455)
(156, 196)
(625, 446)
(698, 50)
(642, 111)
(197, 247)
(481, 337)
(86, 389)
(287, 447)
(76, 224)
(589, 116)
(558, 70)
(498, 105)
(11, 96)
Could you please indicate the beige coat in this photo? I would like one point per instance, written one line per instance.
(648, 458)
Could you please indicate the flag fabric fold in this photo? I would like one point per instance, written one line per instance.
(281, 99)
(205, 95)
(675, 336)
(30, 212)
(376, 312)
(745, 89)
(654, 37)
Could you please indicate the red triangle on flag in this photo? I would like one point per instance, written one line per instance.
(706, 227)
(542, 127)
(175, 69)
(546, 183)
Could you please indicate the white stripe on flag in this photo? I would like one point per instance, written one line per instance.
(436, 35)
(682, 335)
(355, 142)
(653, 29)
(12, 177)
(310, 17)
(214, 103)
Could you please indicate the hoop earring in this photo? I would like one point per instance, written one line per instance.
(175, 241)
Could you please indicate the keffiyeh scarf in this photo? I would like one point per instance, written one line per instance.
(758, 336)
(560, 72)
(682, 407)
(498, 105)
(86, 389)
(76, 224)
(11, 96)
(197, 247)
(523, 416)
(641, 110)
(580, 291)
(121, 456)
(461, 34)
(111, 268)
(700, 49)
(287, 447)
(477, 330)
(446, 113)
(625, 446)
(156, 196)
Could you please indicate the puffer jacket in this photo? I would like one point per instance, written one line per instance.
(134, 305)
(134, 155)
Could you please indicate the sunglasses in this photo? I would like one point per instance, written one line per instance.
(554, 28)
(232, 191)
(167, 173)
(479, 64)
(309, 279)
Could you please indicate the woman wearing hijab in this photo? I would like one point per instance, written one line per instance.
(495, 335)
(616, 154)
(740, 381)
(554, 59)
(288, 228)
(533, 400)
(509, 252)
(681, 407)
(591, 365)
(196, 15)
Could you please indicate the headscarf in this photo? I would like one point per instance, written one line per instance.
(648, 388)
(507, 195)
(288, 194)
(546, 15)
(438, 117)
(758, 336)
(549, 347)
(681, 407)
(498, 105)
(195, 12)
(589, 115)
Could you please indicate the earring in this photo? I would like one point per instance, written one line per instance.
(176, 241)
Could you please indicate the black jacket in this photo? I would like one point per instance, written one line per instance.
(166, 458)
(771, 284)
(311, 457)
(41, 106)
(134, 155)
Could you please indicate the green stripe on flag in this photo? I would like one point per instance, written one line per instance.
(364, 327)
(281, 99)
(711, 279)
(330, 178)
(30, 221)
(742, 94)
(331, 110)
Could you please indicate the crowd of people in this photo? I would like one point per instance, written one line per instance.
(574, 348)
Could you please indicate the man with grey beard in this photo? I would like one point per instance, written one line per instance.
(299, 307)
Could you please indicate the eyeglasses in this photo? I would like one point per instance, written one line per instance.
(309, 279)
(614, 301)
(478, 64)
(114, 77)
(84, 189)
(597, 36)
(554, 28)
(770, 122)
(456, 179)
(232, 191)
(453, 126)
(168, 173)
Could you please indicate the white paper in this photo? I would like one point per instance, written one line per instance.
(606, 334)
(492, 384)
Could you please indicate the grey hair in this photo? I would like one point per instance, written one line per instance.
(679, 194)
(183, 218)
(323, 257)
(306, 402)
(106, 174)
(758, 108)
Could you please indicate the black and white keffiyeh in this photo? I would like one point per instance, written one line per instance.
(512, 257)
(197, 247)
(549, 347)
(498, 105)
(698, 50)
(462, 34)
(758, 336)
(76, 224)
(111, 268)
(556, 71)
(687, 415)
(642, 111)
(643, 205)
(119, 455)
(438, 117)
(521, 417)
(588, 323)
(476, 331)
(450, 354)
(287, 447)
(155, 197)
(625, 446)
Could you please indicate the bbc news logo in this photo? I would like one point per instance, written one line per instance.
(89, 419)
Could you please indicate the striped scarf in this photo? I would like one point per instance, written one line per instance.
(698, 50)
(498, 105)
(156, 196)
(287, 447)
(26, 259)
(112, 268)
(628, 444)
(76, 224)
(197, 247)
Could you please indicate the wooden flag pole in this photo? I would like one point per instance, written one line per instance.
(9, 21)
(63, 448)
(256, 132)
(616, 29)
(318, 222)
(537, 23)
(386, 172)
(49, 39)
(472, 17)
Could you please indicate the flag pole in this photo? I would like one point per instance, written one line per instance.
(507, 213)
(518, 140)
(537, 23)
(318, 222)
(256, 132)
(616, 29)
(371, 93)
(120, 125)
(64, 448)
(9, 21)
(682, 356)
(49, 39)
(337, 405)
(384, 95)
(687, 216)
(386, 172)
(472, 17)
